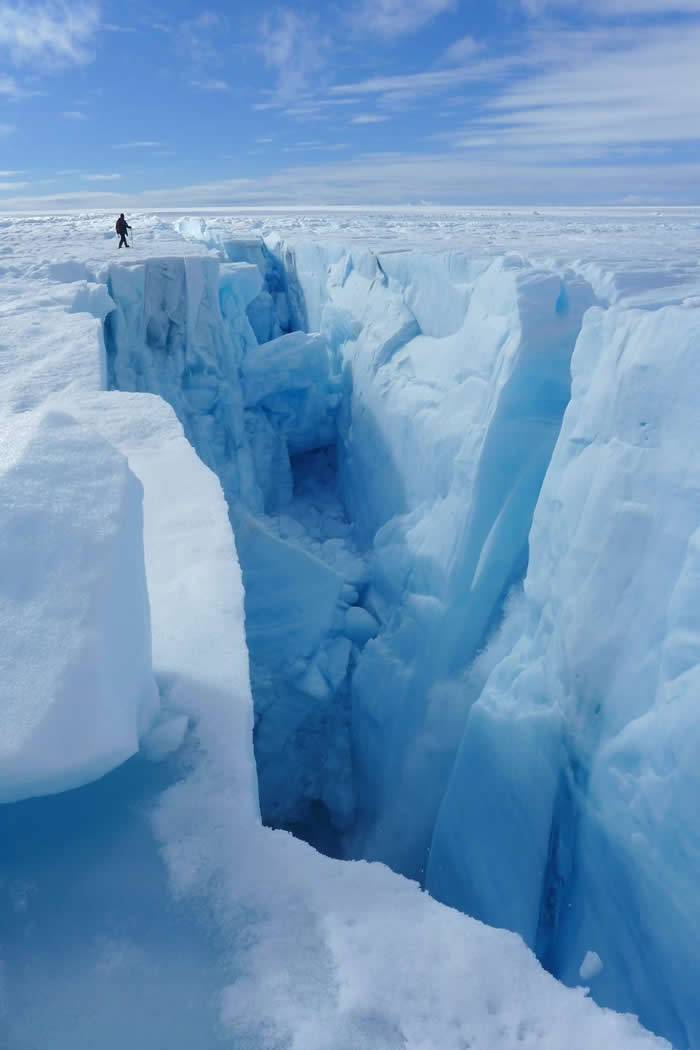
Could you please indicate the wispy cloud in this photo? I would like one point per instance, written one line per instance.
(101, 178)
(399, 179)
(10, 89)
(73, 114)
(394, 18)
(461, 50)
(48, 33)
(603, 90)
(294, 47)
(211, 85)
(614, 8)
(368, 118)
(198, 39)
(428, 81)
(312, 147)
(144, 144)
(113, 27)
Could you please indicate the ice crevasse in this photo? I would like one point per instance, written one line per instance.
(464, 502)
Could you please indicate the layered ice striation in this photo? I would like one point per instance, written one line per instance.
(470, 609)
(578, 763)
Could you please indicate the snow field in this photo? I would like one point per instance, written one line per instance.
(319, 953)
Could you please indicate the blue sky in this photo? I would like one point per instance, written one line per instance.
(372, 102)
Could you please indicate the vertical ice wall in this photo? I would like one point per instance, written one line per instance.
(170, 335)
(263, 417)
(457, 377)
(571, 815)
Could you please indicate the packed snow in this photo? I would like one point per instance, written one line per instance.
(426, 481)
(76, 669)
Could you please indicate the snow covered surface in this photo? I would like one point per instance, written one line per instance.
(78, 690)
(525, 751)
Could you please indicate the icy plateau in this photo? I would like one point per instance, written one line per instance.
(350, 632)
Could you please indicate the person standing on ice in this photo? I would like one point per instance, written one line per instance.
(122, 227)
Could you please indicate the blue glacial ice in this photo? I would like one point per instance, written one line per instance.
(465, 504)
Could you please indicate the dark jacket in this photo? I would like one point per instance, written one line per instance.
(122, 226)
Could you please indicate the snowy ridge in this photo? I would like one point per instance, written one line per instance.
(314, 952)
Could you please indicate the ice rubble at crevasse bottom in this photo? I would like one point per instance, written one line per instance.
(316, 954)
(454, 377)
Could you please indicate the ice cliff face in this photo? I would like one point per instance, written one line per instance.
(470, 608)
(578, 761)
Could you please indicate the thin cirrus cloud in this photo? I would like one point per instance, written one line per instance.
(462, 50)
(101, 178)
(50, 33)
(397, 178)
(603, 91)
(143, 144)
(73, 114)
(368, 118)
(294, 47)
(210, 85)
(395, 18)
(197, 38)
(10, 89)
(425, 82)
(614, 8)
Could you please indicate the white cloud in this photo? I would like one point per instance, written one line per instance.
(393, 18)
(211, 85)
(428, 82)
(293, 46)
(368, 118)
(73, 114)
(620, 87)
(8, 187)
(52, 32)
(197, 39)
(9, 88)
(113, 27)
(100, 178)
(137, 145)
(398, 179)
(461, 50)
(312, 147)
(614, 8)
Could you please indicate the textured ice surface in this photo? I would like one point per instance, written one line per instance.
(578, 761)
(431, 455)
